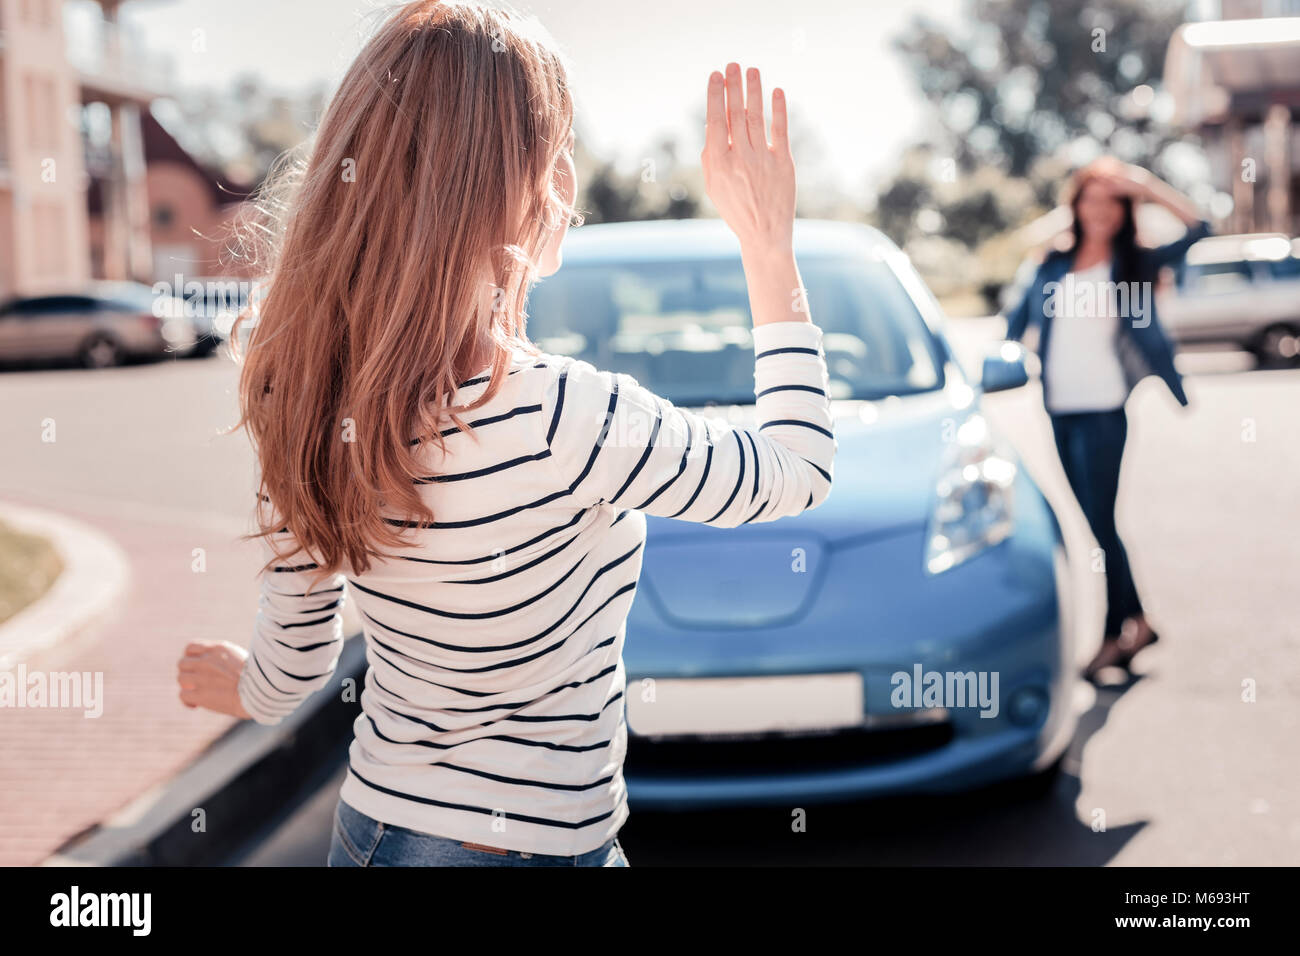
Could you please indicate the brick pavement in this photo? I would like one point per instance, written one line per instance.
(60, 771)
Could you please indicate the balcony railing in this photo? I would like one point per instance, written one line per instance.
(115, 60)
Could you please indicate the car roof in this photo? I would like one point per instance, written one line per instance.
(1253, 247)
(95, 289)
(99, 290)
(116, 289)
(663, 240)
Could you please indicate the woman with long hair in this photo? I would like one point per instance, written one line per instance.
(1098, 336)
(482, 502)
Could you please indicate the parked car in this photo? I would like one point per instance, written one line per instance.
(772, 662)
(213, 304)
(1241, 290)
(102, 325)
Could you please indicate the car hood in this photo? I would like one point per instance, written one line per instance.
(886, 467)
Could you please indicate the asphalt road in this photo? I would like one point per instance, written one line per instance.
(1184, 771)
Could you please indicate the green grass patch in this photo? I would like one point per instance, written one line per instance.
(28, 566)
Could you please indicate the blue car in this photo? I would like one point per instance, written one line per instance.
(910, 634)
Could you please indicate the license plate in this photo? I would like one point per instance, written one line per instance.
(744, 705)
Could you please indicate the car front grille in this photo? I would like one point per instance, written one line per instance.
(761, 755)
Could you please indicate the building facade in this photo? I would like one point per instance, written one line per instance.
(1236, 83)
(91, 185)
(43, 226)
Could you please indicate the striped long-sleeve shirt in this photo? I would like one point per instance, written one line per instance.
(493, 705)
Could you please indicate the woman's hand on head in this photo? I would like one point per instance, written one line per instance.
(1125, 179)
(1142, 185)
(751, 181)
(208, 675)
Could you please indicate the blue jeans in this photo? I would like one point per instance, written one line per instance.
(360, 840)
(1091, 446)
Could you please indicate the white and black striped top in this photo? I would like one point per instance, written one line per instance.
(493, 706)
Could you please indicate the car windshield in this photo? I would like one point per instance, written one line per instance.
(683, 329)
(1217, 278)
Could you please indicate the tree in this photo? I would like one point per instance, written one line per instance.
(926, 196)
(241, 129)
(1023, 90)
(1027, 77)
(661, 188)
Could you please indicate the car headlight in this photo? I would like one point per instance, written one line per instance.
(973, 498)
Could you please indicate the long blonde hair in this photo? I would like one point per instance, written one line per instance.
(401, 252)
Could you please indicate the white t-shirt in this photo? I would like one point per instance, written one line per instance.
(1083, 369)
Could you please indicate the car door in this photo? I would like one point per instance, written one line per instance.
(11, 332)
(1214, 302)
(26, 334)
(1278, 282)
(64, 324)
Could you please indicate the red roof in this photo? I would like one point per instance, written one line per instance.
(161, 147)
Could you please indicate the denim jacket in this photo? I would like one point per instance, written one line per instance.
(1144, 348)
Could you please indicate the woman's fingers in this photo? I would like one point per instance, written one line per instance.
(736, 108)
(751, 183)
(1120, 184)
(780, 124)
(208, 677)
(715, 127)
(754, 110)
(211, 690)
(734, 116)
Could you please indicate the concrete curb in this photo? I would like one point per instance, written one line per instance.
(240, 782)
(95, 574)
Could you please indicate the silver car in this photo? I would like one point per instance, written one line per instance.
(102, 325)
(1241, 290)
(213, 304)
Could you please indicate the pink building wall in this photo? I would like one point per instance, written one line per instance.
(44, 241)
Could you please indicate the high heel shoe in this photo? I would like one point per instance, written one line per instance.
(1131, 652)
(1111, 654)
(1115, 652)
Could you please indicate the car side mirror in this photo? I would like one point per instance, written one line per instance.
(1006, 369)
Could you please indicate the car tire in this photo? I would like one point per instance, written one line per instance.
(100, 351)
(1278, 345)
(205, 347)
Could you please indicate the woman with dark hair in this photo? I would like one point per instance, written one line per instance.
(1098, 336)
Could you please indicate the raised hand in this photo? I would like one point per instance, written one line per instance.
(1125, 179)
(1142, 185)
(208, 675)
(751, 181)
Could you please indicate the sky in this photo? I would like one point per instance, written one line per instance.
(639, 69)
